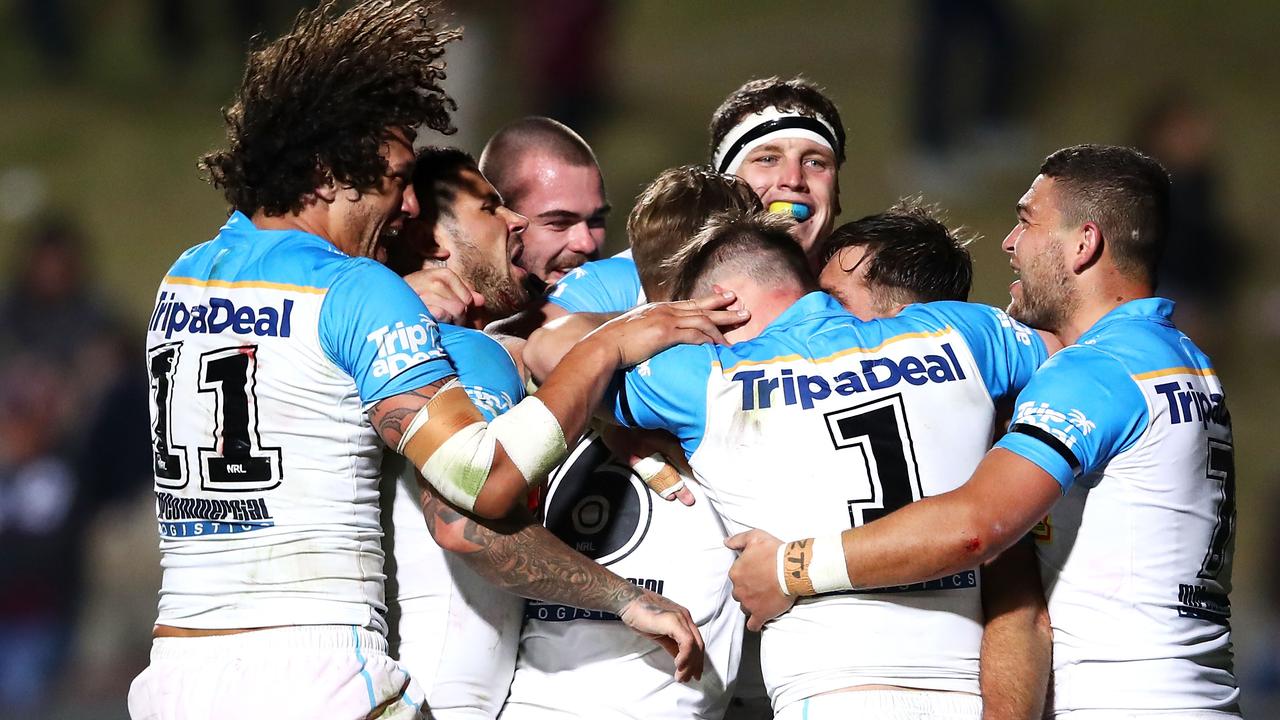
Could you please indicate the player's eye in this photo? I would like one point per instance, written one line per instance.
(817, 163)
(765, 160)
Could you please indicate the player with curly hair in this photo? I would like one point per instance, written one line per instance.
(284, 360)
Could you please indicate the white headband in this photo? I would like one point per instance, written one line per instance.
(769, 124)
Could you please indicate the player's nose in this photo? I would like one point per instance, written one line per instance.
(409, 202)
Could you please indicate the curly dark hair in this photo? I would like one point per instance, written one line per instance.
(318, 103)
(797, 94)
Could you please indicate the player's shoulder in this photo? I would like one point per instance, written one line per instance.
(968, 316)
(488, 372)
(610, 269)
(465, 344)
(1137, 339)
(285, 260)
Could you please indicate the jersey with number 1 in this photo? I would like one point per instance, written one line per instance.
(1136, 558)
(265, 350)
(822, 422)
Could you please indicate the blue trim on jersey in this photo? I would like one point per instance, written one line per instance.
(371, 323)
(485, 368)
(374, 327)
(669, 391)
(1007, 352)
(1086, 398)
(368, 679)
(611, 285)
(243, 253)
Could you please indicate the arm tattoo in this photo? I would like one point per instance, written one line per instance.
(391, 416)
(524, 558)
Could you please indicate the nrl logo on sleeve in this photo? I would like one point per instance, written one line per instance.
(401, 346)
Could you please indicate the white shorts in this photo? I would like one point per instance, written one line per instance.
(304, 672)
(885, 705)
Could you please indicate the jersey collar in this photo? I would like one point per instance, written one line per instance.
(241, 226)
(1155, 309)
(814, 305)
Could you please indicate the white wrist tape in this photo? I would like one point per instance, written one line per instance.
(659, 476)
(532, 438)
(782, 577)
(813, 566)
(460, 466)
(827, 570)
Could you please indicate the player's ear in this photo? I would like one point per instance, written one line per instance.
(326, 193)
(1087, 243)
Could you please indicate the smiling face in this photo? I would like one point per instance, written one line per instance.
(1044, 295)
(567, 210)
(483, 240)
(797, 170)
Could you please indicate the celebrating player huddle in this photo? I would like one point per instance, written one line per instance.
(749, 420)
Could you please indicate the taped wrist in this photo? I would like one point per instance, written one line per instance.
(659, 475)
(813, 566)
(532, 437)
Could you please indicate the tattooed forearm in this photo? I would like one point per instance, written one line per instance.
(524, 558)
(390, 417)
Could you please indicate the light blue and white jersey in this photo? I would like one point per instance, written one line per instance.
(611, 285)
(457, 633)
(823, 422)
(585, 664)
(1136, 558)
(265, 350)
(576, 663)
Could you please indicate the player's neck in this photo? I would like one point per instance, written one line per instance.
(306, 220)
(1095, 303)
(765, 306)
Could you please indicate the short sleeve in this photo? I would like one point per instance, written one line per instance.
(1080, 410)
(485, 369)
(666, 392)
(611, 285)
(377, 330)
(1008, 353)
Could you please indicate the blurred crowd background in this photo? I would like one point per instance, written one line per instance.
(105, 105)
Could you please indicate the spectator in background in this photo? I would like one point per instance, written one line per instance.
(1201, 260)
(41, 529)
(180, 25)
(564, 48)
(966, 59)
(73, 435)
(56, 40)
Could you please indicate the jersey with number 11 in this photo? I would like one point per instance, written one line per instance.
(265, 349)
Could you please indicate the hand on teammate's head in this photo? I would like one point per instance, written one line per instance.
(649, 329)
